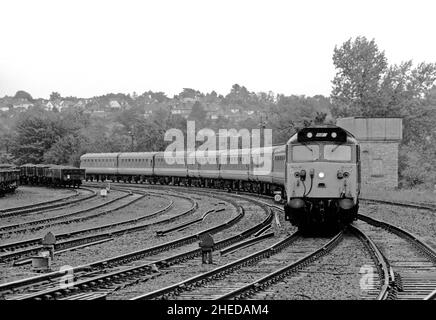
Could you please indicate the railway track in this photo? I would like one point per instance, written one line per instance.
(66, 218)
(419, 282)
(240, 278)
(412, 278)
(384, 271)
(97, 275)
(19, 249)
(431, 296)
(415, 205)
(412, 262)
(46, 206)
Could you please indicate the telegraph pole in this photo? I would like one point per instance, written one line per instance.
(131, 136)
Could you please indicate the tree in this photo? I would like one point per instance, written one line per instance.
(67, 150)
(356, 86)
(365, 85)
(23, 95)
(198, 114)
(55, 96)
(190, 93)
(36, 131)
(291, 113)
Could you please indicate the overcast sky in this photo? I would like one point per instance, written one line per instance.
(87, 48)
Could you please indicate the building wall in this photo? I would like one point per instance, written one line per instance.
(379, 161)
(379, 141)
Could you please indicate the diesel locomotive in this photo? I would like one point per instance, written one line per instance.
(322, 177)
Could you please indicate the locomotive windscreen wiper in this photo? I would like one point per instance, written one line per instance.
(334, 149)
(307, 147)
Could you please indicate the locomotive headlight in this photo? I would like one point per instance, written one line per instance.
(309, 135)
(321, 175)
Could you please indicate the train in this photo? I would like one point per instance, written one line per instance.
(9, 178)
(51, 175)
(316, 173)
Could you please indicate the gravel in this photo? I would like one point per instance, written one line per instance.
(180, 272)
(420, 222)
(22, 218)
(335, 276)
(63, 227)
(25, 195)
(147, 237)
(137, 240)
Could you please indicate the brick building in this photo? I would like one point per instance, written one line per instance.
(379, 140)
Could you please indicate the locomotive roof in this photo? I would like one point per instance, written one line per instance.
(349, 138)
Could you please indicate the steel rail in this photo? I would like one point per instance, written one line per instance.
(419, 244)
(42, 203)
(34, 224)
(36, 209)
(273, 277)
(20, 244)
(137, 270)
(86, 239)
(246, 243)
(431, 296)
(135, 254)
(416, 205)
(215, 273)
(386, 274)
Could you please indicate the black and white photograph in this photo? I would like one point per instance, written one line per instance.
(217, 158)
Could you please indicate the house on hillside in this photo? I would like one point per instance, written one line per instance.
(182, 110)
(81, 103)
(148, 113)
(49, 106)
(114, 104)
(23, 106)
(189, 100)
(213, 111)
(64, 104)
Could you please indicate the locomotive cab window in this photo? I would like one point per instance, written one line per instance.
(305, 152)
(337, 152)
